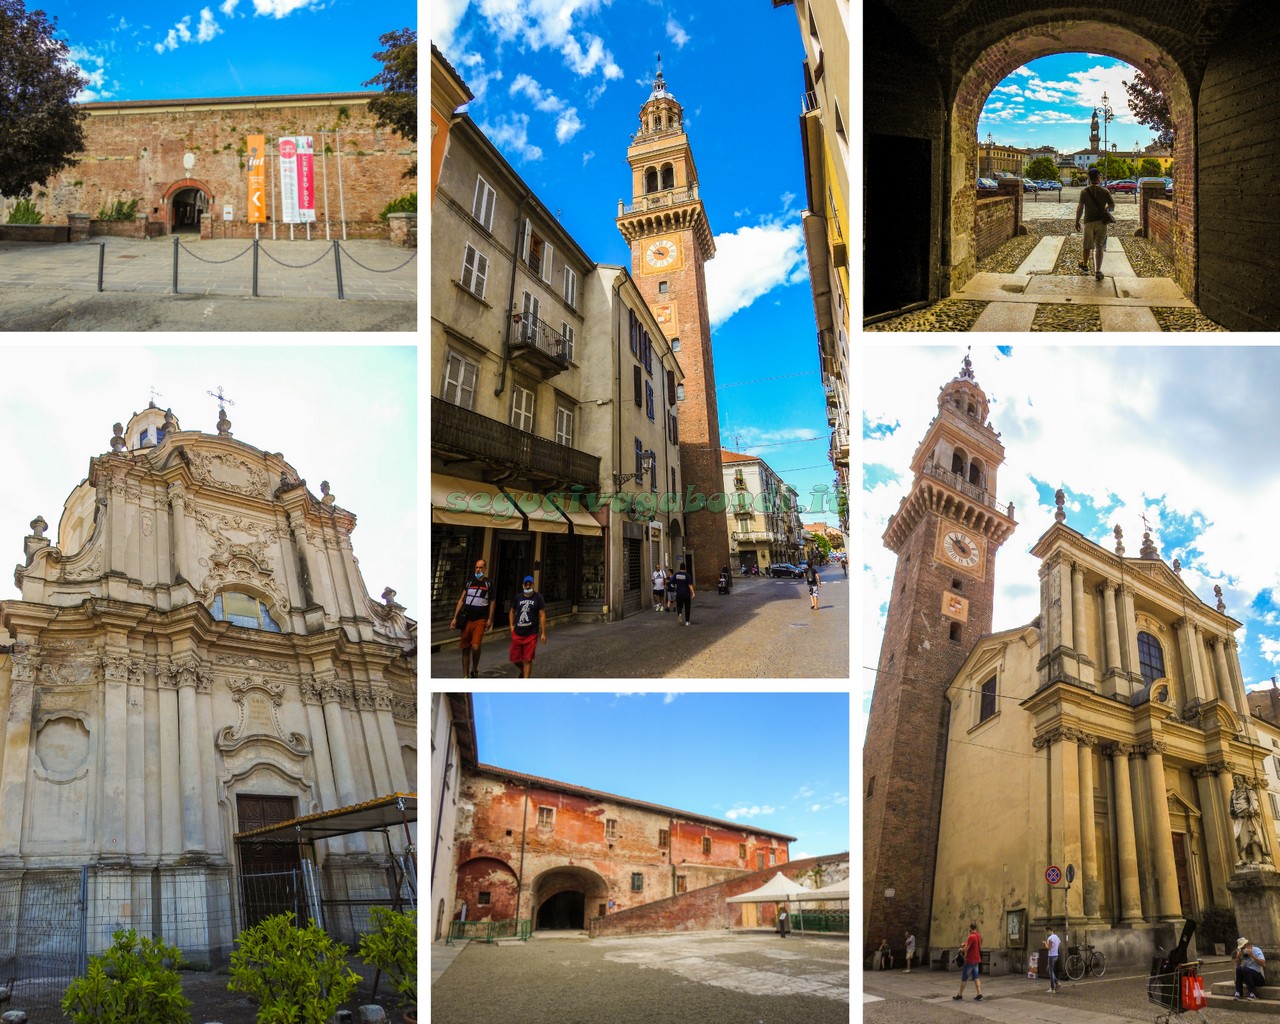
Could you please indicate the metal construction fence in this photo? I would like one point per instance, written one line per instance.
(836, 921)
(488, 931)
(52, 921)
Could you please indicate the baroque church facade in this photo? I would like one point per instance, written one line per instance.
(1110, 734)
(195, 657)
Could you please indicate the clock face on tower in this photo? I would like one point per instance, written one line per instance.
(661, 254)
(962, 550)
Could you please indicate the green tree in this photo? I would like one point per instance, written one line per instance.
(1113, 167)
(1150, 168)
(40, 125)
(397, 107)
(1042, 168)
(1151, 108)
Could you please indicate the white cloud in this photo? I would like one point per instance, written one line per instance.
(567, 125)
(675, 32)
(748, 812)
(1025, 72)
(750, 263)
(669, 698)
(208, 28)
(534, 24)
(280, 8)
(181, 32)
(228, 7)
(587, 156)
(511, 133)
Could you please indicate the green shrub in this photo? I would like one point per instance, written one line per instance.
(25, 212)
(393, 949)
(121, 210)
(405, 204)
(1217, 924)
(135, 980)
(296, 975)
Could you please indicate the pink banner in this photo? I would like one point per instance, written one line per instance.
(306, 178)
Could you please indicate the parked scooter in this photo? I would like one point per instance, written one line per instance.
(724, 584)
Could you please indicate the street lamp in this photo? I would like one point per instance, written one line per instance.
(988, 154)
(1107, 115)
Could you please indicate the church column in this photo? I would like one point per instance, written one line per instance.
(181, 532)
(170, 770)
(17, 751)
(214, 834)
(1107, 591)
(1168, 903)
(141, 785)
(1232, 657)
(1193, 685)
(193, 840)
(1088, 837)
(339, 749)
(1223, 677)
(1206, 667)
(1064, 807)
(1126, 843)
(1218, 841)
(1129, 631)
(312, 700)
(113, 821)
(1080, 638)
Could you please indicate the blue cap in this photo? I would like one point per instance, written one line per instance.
(528, 579)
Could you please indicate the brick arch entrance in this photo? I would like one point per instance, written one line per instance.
(565, 897)
(1042, 40)
(186, 203)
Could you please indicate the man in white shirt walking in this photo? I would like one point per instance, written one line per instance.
(1051, 943)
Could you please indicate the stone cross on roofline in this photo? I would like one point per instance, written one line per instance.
(224, 424)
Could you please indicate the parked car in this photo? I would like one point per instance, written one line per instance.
(785, 569)
(1122, 185)
(988, 185)
(1051, 186)
(1029, 186)
(1168, 188)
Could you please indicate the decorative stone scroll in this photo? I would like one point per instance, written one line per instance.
(259, 701)
(229, 472)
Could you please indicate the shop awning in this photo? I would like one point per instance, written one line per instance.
(460, 502)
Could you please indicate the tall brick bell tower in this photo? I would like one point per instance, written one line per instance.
(945, 533)
(666, 227)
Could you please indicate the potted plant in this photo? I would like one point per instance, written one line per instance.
(392, 947)
(135, 980)
(299, 975)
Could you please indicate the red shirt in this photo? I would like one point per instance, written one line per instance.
(973, 948)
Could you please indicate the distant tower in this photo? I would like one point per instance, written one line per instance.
(666, 226)
(945, 533)
(1095, 136)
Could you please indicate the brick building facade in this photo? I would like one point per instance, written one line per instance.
(185, 160)
(560, 854)
(946, 534)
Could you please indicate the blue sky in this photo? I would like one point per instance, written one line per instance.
(149, 51)
(1050, 101)
(338, 413)
(776, 761)
(559, 87)
(1181, 435)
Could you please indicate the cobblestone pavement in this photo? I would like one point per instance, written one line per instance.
(891, 997)
(947, 315)
(763, 628)
(372, 271)
(749, 977)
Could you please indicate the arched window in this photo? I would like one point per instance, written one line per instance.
(975, 472)
(958, 461)
(243, 610)
(668, 177)
(650, 181)
(1150, 658)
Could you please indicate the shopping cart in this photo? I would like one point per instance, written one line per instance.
(1177, 988)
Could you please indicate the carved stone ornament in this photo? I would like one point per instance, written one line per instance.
(259, 701)
(1059, 499)
(229, 472)
(1217, 592)
(1119, 533)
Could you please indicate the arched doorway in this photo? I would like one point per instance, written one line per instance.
(1018, 47)
(567, 897)
(187, 205)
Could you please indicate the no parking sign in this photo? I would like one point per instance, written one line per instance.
(1053, 875)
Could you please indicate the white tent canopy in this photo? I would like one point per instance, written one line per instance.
(778, 888)
(834, 891)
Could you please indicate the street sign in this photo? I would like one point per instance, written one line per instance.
(1053, 876)
(1071, 873)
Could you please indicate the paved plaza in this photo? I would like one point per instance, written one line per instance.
(743, 977)
(55, 286)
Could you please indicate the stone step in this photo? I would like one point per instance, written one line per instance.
(1259, 1005)
(1226, 988)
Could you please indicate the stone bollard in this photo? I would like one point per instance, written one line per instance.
(402, 230)
(371, 1014)
(79, 226)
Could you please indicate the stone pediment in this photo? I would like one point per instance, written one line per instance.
(229, 471)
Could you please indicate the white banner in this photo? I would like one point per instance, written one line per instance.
(288, 151)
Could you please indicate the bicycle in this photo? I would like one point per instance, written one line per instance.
(1085, 957)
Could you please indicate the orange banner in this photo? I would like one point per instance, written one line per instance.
(257, 161)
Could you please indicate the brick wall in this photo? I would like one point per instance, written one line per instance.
(140, 151)
(34, 233)
(1239, 139)
(993, 224)
(1160, 226)
(706, 909)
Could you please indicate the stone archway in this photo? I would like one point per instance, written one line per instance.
(567, 897)
(1042, 40)
(187, 203)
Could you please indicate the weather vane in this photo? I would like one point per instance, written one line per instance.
(154, 393)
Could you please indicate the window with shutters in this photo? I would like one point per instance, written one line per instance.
(475, 271)
(639, 462)
(564, 426)
(483, 202)
(648, 400)
(664, 838)
(521, 408)
(566, 332)
(636, 380)
(742, 851)
(706, 845)
(530, 309)
(637, 882)
(536, 252)
(987, 706)
(571, 287)
(460, 380)
(648, 353)
(546, 817)
(675, 429)
(611, 828)
(760, 860)
(633, 327)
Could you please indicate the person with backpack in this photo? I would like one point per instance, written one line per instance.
(1096, 203)
(815, 584)
(971, 952)
(683, 580)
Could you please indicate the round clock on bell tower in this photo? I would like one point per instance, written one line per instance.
(945, 533)
(666, 226)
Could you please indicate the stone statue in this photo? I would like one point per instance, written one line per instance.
(1251, 843)
(328, 498)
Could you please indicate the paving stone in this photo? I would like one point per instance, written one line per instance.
(1006, 316)
(1155, 291)
(1043, 257)
(1127, 318)
(1084, 287)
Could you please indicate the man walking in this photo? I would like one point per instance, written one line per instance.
(815, 584)
(528, 616)
(1095, 203)
(659, 585)
(1051, 943)
(474, 616)
(972, 952)
(684, 594)
(911, 950)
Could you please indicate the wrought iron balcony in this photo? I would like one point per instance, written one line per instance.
(540, 345)
(660, 200)
(975, 491)
(461, 431)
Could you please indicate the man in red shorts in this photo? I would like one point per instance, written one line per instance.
(474, 616)
(528, 615)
